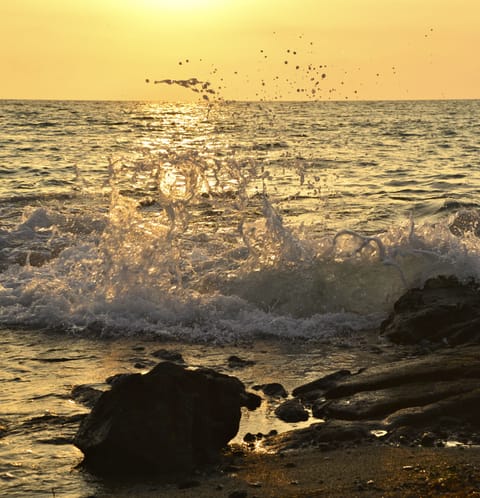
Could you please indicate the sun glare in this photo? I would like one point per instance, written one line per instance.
(183, 5)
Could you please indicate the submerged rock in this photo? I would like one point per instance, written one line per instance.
(168, 355)
(273, 389)
(444, 311)
(237, 362)
(466, 222)
(168, 420)
(85, 395)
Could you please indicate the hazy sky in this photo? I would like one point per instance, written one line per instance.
(273, 49)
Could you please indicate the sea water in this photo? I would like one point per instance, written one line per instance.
(281, 232)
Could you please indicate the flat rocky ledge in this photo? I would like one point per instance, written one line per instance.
(429, 400)
(426, 401)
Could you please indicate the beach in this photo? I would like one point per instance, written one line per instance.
(371, 471)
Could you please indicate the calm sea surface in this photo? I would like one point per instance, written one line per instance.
(282, 232)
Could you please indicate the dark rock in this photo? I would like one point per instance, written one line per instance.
(318, 387)
(50, 421)
(274, 390)
(423, 400)
(445, 311)
(291, 410)
(249, 437)
(377, 404)
(114, 378)
(428, 439)
(418, 384)
(168, 420)
(464, 408)
(328, 435)
(55, 441)
(319, 408)
(450, 365)
(237, 362)
(466, 221)
(168, 355)
(86, 395)
(62, 428)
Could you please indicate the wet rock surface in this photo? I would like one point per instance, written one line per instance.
(168, 420)
(423, 401)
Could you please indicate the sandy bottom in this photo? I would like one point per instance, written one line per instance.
(362, 471)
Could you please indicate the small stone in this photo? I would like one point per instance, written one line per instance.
(249, 437)
(237, 362)
(291, 411)
(428, 440)
(168, 355)
(274, 389)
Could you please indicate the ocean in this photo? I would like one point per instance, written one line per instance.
(279, 232)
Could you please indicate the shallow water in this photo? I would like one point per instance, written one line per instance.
(40, 369)
(282, 233)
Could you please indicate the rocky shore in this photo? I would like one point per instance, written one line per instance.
(406, 427)
(389, 430)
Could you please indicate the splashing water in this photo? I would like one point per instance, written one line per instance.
(201, 237)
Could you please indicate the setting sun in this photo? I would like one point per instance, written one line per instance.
(185, 5)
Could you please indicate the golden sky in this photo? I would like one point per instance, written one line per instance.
(272, 49)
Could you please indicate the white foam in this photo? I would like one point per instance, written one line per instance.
(208, 255)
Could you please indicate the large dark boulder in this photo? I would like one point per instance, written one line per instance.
(445, 311)
(168, 420)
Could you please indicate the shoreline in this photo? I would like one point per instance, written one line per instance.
(365, 470)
